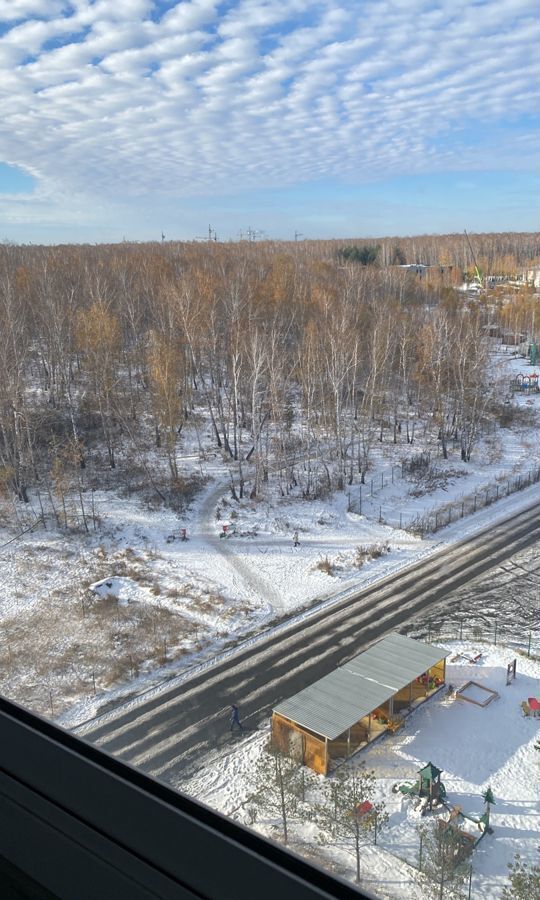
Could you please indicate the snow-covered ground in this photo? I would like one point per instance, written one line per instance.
(475, 747)
(70, 651)
(65, 651)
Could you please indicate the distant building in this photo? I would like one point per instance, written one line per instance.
(421, 270)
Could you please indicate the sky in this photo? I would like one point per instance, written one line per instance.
(133, 119)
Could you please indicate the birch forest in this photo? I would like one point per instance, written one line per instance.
(288, 361)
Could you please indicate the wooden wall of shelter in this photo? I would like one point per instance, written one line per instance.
(300, 743)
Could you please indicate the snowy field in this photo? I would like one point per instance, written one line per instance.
(90, 620)
(475, 748)
(69, 652)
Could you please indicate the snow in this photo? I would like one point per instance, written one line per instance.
(181, 604)
(475, 747)
(72, 647)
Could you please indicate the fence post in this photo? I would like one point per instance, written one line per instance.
(401, 520)
(380, 513)
(449, 514)
(462, 508)
(360, 492)
(382, 479)
(436, 520)
(372, 487)
(495, 635)
(529, 644)
(461, 629)
(474, 508)
(497, 497)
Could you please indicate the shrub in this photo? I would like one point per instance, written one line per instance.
(324, 565)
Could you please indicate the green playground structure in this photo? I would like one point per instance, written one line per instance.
(430, 791)
(429, 788)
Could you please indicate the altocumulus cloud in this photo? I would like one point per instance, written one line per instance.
(135, 98)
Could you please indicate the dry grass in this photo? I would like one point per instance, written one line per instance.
(375, 551)
(324, 565)
(57, 651)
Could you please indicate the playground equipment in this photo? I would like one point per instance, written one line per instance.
(531, 707)
(476, 693)
(429, 789)
(465, 841)
(527, 383)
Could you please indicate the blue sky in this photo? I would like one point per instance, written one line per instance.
(120, 120)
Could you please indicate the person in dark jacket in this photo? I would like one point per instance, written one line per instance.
(235, 719)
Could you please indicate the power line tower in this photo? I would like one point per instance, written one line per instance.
(251, 234)
(211, 236)
(298, 234)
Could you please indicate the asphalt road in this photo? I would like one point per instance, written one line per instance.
(167, 733)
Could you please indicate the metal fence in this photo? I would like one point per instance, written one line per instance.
(525, 641)
(362, 500)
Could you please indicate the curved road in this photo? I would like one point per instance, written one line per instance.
(166, 733)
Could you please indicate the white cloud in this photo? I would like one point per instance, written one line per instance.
(102, 98)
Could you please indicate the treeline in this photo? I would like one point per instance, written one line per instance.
(288, 362)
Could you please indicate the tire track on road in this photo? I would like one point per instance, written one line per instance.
(163, 734)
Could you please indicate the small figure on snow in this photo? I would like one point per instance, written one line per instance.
(296, 542)
(235, 719)
(183, 534)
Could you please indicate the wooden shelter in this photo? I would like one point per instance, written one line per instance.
(348, 708)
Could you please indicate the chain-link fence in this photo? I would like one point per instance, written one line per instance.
(363, 501)
(525, 641)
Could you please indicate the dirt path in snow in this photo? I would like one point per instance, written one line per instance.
(225, 547)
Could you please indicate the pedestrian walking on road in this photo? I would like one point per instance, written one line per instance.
(235, 719)
(296, 542)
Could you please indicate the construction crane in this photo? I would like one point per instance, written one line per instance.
(477, 272)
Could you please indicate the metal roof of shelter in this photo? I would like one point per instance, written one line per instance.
(340, 699)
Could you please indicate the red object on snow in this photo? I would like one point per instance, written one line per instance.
(363, 808)
(534, 704)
